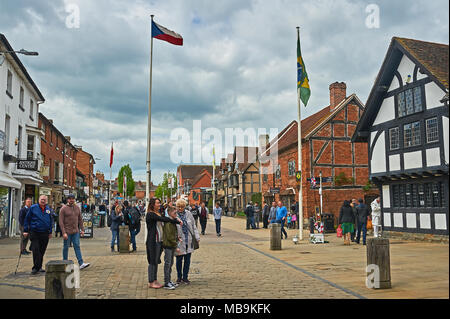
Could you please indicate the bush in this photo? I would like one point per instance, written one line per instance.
(240, 214)
(257, 198)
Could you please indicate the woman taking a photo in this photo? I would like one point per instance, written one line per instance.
(155, 222)
(186, 231)
(116, 221)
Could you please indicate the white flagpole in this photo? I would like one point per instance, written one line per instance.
(299, 150)
(110, 182)
(213, 177)
(149, 124)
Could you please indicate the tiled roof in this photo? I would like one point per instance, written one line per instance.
(245, 155)
(191, 171)
(433, 56)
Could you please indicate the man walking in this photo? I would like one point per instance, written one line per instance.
(362, 212)
(204, 216)
(217, 211)
(265, 215)
(376, 217)
(273, 213)
(22, 214)
(194, 212)
(134, 225)
(38, 224)
(249, 212)
(71, 223)
(353, 205)
(281, 218)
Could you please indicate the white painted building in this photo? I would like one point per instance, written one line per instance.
(406, 125)
(19, 138)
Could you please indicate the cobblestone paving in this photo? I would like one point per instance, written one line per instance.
(237, 265)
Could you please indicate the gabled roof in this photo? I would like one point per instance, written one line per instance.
(244, 156)
(191, 171)
(201, 174)
(21, 66)
(432, 59)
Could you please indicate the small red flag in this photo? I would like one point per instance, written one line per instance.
(112, 155)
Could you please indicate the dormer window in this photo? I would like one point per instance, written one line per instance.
(410, 101)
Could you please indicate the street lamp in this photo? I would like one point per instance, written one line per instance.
(21, 51)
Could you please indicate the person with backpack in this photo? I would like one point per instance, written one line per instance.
(362, 212)
(194, 212)
(249, 212)
(116, 220)
(132, 218)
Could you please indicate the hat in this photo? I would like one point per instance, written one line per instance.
(71, 196)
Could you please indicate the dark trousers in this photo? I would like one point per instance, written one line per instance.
(183, 270)
(283, 231)
(217, 225)
(361, 227)
(265, 221)
(352, 235)
(23, 240)
(39, 242)
(203, 224)
(196, 220)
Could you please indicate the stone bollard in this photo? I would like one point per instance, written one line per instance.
(124, 239)
(378, 256)
(275, 236)
(57, 281)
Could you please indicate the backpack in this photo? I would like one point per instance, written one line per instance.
(135, 217)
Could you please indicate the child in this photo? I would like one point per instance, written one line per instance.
(294, 219)
(170, 245)
(289, 219)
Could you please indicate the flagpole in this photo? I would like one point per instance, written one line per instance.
(110, 180)
(299, 150)
(149, 123)
(213, 177)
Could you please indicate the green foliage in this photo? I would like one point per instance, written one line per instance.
(368, 186)
(210, 205)
(130, 182)
(163, 188)
(257, 198)
(240, 214)
(342, 179)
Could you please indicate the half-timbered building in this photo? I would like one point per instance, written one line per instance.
(406, 127)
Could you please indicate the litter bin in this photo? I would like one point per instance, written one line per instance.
(328, 223)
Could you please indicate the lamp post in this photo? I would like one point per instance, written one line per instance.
(21, 51)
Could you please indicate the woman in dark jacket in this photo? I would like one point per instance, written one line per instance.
(154, 222)
(347, 220)
(117, 220)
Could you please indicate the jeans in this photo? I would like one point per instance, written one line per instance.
(282, 229)
(153, 268)
(252, 222)
(203, 224)
(115, 234)
(169, 253)
(187, 263)
(75, 240)
(133, 234)
(218, 225)
(256, 220)
(363, 227)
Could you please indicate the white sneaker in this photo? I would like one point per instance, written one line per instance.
(173, 284)
(169, 286)
(84, 265)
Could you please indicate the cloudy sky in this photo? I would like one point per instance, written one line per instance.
(236, 69)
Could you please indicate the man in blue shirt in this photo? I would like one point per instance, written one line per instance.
(217, 211)
(281, 218)
(38, 225)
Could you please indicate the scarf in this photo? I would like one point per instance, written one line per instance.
(184, 228)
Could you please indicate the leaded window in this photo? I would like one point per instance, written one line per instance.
(409, 101)
(411, 134)
(408, 195)
(394, 138)
(396, 195)
(418, 195)
(432, 130)
(291, 168)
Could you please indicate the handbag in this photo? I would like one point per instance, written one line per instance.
(339, 231)
(369, 224)
(195, 243)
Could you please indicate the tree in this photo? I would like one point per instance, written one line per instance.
(130, 182)
(163, 188)
(257, 198)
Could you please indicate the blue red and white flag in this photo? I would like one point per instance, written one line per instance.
(161, 33)
(313, 182)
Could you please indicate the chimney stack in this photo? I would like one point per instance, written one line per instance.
(338, 91)
(263, 141)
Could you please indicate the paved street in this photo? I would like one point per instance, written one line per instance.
(240, 265)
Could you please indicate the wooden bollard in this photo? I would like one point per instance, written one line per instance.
(58, 285)
(124, 239)
(275, 236)
(378, 262)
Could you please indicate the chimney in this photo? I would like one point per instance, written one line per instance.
(337, 94)
(263, 141)
(67, 138)
(51, 121)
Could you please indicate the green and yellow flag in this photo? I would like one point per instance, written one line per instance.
(302, 76)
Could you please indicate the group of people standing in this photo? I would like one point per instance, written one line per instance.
(353, 218)
(37, 222)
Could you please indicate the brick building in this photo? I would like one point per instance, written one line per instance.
(85, 164)
(186, 175)
(59, 162)
(326, 148)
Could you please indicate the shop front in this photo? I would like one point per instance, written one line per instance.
(7, 185)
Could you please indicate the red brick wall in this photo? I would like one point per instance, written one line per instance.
(85, 167)
(204, 181)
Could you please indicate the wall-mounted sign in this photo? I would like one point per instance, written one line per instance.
(275, 190)
(31, 165)
(45, 191)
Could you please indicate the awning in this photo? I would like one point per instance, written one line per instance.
(27, 179)
(286, 192)
(9, 181)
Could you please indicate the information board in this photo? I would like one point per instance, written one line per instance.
(88, 224)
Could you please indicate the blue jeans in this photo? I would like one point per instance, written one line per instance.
(133, 234)
(218, 225)
(280, 221)
(252, 222)
(115, 234)
(75, 240)
(363, 227)
(179, 264)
